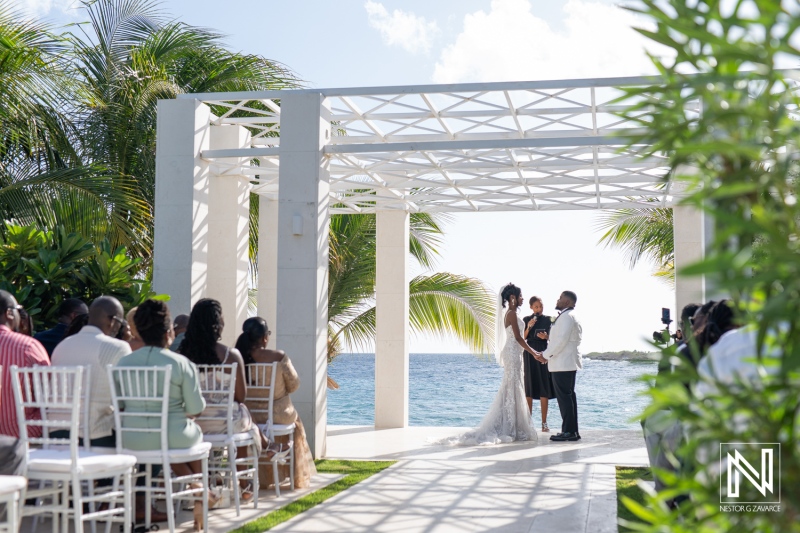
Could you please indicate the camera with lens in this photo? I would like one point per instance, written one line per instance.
(663, 336)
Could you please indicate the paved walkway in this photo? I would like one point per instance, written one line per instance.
(518, 487)
(220, 520)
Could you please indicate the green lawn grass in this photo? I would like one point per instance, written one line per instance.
(354, 472)
(626, 486)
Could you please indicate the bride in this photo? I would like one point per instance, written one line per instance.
(508, 418)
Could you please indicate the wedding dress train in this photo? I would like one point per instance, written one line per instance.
(508, 418)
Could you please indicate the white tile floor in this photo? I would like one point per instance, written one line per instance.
(518, 487)
(548, 486)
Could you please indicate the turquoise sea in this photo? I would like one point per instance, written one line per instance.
(457, 390)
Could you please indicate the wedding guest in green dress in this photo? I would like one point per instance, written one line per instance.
(154, 325)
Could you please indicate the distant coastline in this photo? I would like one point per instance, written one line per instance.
(624, 355)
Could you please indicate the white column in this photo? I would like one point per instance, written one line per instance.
(391, 319)
(268, 263)
(689, 235)
(229, 232)
(180, 248)
(303, 222)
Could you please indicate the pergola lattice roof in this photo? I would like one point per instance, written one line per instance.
(466, 147)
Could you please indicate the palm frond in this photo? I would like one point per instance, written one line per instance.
(90, 201)
(450, 305)
(426, 231)
(640, 233)
(443, 304)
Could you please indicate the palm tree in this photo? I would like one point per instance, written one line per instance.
(42, 179)
(128, 57)
(441, 303)
(78, 125)
(642, 233)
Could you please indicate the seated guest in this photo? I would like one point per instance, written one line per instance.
(134, 341)
(124, 333)
(202, 347)
(25, 323)
(95, 346)
(179, 327)
(67, 311)
(20, 350)
(252, 344)
(153, 323)
(76, 325)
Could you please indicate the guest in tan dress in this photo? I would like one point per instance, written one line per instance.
(252, 344)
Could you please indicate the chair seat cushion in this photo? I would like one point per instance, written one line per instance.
(221, 439)
(183, 455)
(11, 484)
(60, 461)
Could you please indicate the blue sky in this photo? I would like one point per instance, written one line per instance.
(367, 43)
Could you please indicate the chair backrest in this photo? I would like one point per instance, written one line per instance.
(261, 388)
(56, 392)
(140, 396)
(84, 425)
(218, 386)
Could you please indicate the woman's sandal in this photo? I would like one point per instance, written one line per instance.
(545, 427)
(213, 500)
(246, 492)
(276, 448)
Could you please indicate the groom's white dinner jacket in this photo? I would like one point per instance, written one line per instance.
(562, 349)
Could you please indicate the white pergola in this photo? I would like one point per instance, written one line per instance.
(391, 151)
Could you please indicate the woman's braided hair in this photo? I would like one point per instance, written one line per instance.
(199, 343)
(152, 322)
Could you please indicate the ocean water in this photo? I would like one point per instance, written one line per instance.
(457, 390)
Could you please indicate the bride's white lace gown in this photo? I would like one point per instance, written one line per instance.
(508, 418)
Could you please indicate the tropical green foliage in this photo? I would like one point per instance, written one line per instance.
(743, 148)
(78, 120)
(78, 126)
(642, 234)
(442, 303)
(43, 268)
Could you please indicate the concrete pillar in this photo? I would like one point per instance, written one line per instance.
(303, 222)
(229, 232)
(690, 244)
(391, 319)
(268, 263)
(180, 248)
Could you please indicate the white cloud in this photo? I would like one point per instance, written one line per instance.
(407, 30)
(512, 43)
(40, 8)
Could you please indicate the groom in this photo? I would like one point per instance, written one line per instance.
(564, 360)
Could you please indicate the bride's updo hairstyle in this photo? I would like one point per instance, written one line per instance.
(509, 291)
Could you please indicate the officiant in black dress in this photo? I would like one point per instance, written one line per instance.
(537, 378)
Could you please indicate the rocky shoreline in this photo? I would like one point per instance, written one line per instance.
(624, 355)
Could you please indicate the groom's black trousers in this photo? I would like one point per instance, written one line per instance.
(564, 383)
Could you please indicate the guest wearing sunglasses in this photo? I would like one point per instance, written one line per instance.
(94, 345)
